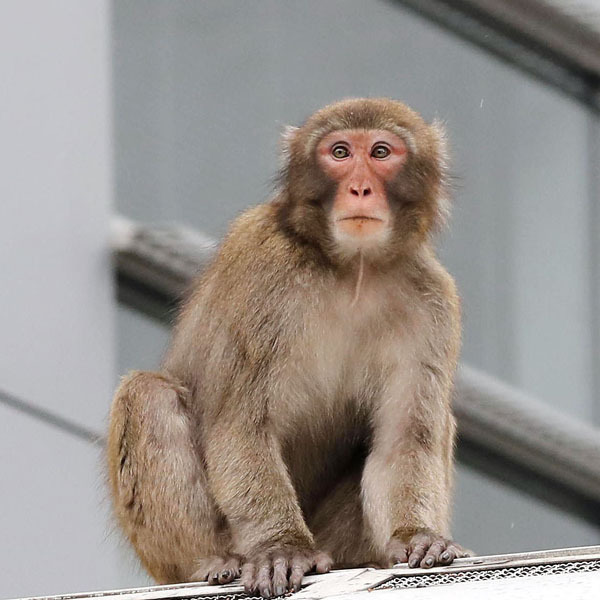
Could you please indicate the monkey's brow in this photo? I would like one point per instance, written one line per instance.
(406, 135)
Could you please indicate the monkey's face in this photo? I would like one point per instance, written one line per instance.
(363, 176)
(361, 163)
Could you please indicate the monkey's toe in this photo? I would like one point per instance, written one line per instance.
(217, 570)
(425, 549)
(454, 551)
(228, 571)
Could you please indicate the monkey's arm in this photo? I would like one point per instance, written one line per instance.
(252, 487)
(407, 484)
(407, 480)
(235, 333)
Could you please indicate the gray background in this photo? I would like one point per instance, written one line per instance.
(171, 111)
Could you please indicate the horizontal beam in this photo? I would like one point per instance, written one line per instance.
(155, 265)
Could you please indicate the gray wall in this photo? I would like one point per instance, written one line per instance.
(57, 342)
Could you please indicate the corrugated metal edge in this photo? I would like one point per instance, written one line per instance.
(342, 582)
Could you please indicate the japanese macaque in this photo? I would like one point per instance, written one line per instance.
(301, 418)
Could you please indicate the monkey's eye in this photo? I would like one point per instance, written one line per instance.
(340, 152)
(380, 151)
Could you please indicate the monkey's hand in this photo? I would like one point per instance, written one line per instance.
(275, 570)
(424, 548)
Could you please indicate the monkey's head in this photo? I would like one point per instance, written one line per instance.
(364, 176)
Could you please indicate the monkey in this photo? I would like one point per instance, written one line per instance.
(301, 419)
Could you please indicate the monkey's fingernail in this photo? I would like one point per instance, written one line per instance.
(265, 592)
(445, 556)
(413, 562)
(429, 562)
(226, 574)
(279, 590)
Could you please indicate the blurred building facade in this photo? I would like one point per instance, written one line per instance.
(171, 112)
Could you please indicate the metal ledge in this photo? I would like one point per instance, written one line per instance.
(531, 567)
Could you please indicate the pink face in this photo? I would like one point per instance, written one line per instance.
(361, 162)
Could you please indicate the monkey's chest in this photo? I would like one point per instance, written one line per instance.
(337, 371)
(346, 352)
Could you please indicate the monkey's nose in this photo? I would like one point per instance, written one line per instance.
(360, 190)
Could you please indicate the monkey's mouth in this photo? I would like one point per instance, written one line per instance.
(360, 218)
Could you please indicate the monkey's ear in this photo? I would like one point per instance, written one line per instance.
(287, 136)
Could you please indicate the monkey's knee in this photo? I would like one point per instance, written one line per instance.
(145, 390)
(144, 402)
(147, 419)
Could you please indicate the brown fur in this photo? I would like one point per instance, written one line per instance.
(287, 418)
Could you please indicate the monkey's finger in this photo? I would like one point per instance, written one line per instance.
(417, 554)
(233, 565)
(226, 575)
(264, 581)
(299, 567)
(280, 575)
(454, 551)
(448, 555)
(214, 571)
(400, 554)
(433, 554)
(248, 578)
(322, 562)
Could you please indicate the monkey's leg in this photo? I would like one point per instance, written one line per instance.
(159, 487)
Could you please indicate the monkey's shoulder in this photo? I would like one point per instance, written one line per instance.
(432, 283)
(255, 278)
(257, 251)
(254, 228)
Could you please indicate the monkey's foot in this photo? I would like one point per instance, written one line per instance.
(217, 569)
(275, 571)
(425, 549)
